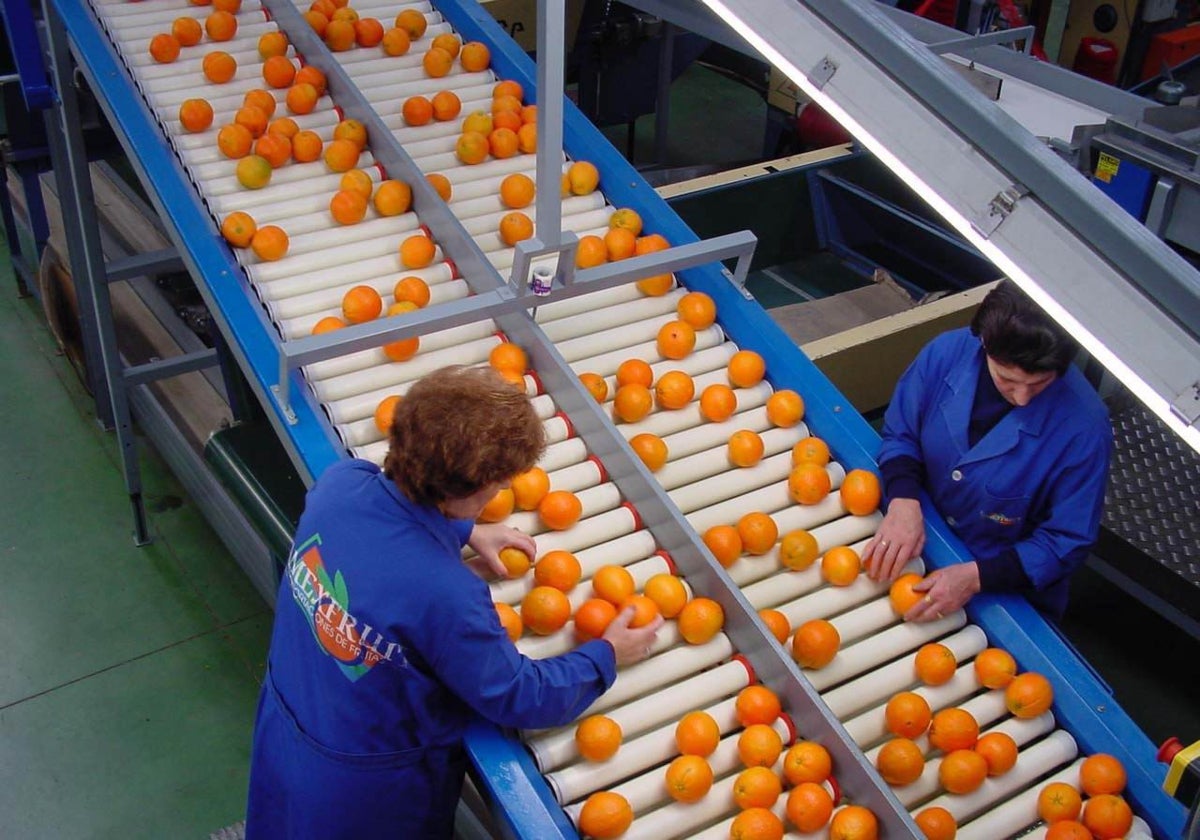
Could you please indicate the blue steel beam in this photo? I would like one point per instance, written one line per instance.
(27, 54)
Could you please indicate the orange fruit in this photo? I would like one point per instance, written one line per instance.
(341, 155)
(301, 98)
(411, 289)
(510, 620)
(278, 71)
(402, 349)
(937, 823)
(559, 510)
(509, 87)
(254, 118)
(417, 110)
(440, 184)
(632, 402)
(509, 356)
(515, 227)
(516, 562)
(395, 42)
(187, 31)
(756, 787)
(1101, 773)
(545, 609)
(238, 229)
(696, 308)
(777, 623)
(624, 217)
(785, 408)
(745, 448)
(1069, 830)
(348, 207)
(605, 814)
(901, 594)
(368, 32)
(953, 729)
(674, 390)
(361, 304)
(759, 745)
(275, 149)
(697, 734)
(725, 543)
(502, 143)
(307, 146)
(807, 762)
(1059, 801)
(598, 738)
(700, 620)
(809, 807)
(339, 34)
(860, 492)
(583, 177)
(448, 42)
(676, 339)
(619, 244)
(393, 198)
(758, 532)
(815, 643)
(480, 122)
(907, 714)
(999, 750)
(808, 483)
(934, 664)
(590, 252)
(900, 762)
(592, 618)
(667, 592)
(317, 21)
(437, 62)
(634, 372)
(756, 824)
(272, 44)
(219, 67)
(811, 450)
(195, 114)
(644, 610)
(527, 138)
(995, 668)
(962, 771)
(614, 584)
(529, 487)
(498, 508)
(164, 48)
(746, 369)
(386, 410)
(757, 704)
(596, 386)
(253, 172)
(718, 402)
(351, 130)
(517, 191)
(656, 285)
(417, 251)
(270, 242)
(840, 565)
(651, 449)
(474, 57)
(854, 822)
(220, 26)
(412, 22)
(231, 6)
(1029, 695)
(688, 778)
(310, 75)
(798, 550)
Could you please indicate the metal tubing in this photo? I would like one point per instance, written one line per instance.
(164, 368)
(138, 265)
(1004, 36)
(551, 23)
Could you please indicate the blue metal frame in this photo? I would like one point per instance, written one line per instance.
(27, 54)
(311, 441)
(1082, 704)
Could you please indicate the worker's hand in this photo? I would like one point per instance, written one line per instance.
(946, 590)
(487, 540)
(900, 537)
(631, 644)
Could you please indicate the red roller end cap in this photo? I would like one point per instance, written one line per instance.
(637, 519)
(670, 563)
(453, 268)
(571, 430)
(600, 467)
(753, 678)
(791, 727)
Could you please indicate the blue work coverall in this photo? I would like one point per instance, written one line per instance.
(1034, 483)
(385, 647)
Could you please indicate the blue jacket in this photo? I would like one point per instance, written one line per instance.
(385, 646)
(1035, 482)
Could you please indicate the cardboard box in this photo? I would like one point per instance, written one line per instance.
(519, 19)
(783, 94)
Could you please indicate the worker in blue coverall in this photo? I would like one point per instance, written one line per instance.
(1012, 445)
(386, 644)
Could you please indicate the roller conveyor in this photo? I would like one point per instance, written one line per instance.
(540, 792)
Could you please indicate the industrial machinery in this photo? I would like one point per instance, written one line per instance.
(320, 394)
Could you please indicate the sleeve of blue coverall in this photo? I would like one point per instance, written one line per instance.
(471, 653)
(1071, 517)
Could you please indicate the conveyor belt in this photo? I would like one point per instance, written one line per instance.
(594, 334)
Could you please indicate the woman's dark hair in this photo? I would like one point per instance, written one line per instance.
(1015, 331)
(458, 430)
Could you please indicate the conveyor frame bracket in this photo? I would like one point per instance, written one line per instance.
(1186, 405)
(999, 208)
(527, 250)
(822, 72)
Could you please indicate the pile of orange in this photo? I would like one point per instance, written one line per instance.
(1104, 813)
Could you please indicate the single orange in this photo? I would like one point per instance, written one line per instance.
(437, 63)
(900, 762)
(745, 448)
(697, 309)
(798, 550)
(644, 610)
(756, 787)
(725, 543)
(688, 778)
(515, 227)
(634, 372)
(253, 118)
(756, 824)
(559, 510)
(1059, 801)
(815, 643)
(718, 402)
(238, 228)
(605, 815)
(854, 822)
(590, 251)
(392, 198)
(559, 569)
(396, 42)
(187, 31)
(995, 668)
(999, 750)
(860, 492)
(440, 184)
(447, 41)
(808, 483)
(809, 807)
(509, 87)
(595, 384)
(697, 734)
(339, 34)
(509, 356)
(301, 98)
(901, 594)
(840, 565)
(510, 620)
(361, 304)
(962, 771)
(272, 44)
(498, 507)
(674, 390)
(474, 57)
(310, 75)
(807, 762)
(253, 172)
(220, 26)
(357, 181)
(676, 339)
(907, 714)
(347, 207)
(317, 21)
(417, 251)
(785, 408)
(614, 584)
(953, 729)
(352, 130)
(618, 244)
(759, 745)
(651, 449)
(516, 562)
(1069, 830)
(777, 623)
(417, 110)
(757, 704)
(219, 67)
(270, 242)
(746, 369)
(1029, 695)
(592, 618)
(624, 217)
(758, 532)
(195, 115)
(517, 191)
(385, 412)
(164, 48)
(412, 22)
(545, 609)
(632, 402)
(936, 823)
(700, 620)
(598, 738)
(583, 177)
(341, 155)
(667, 592)
(284, 127)
(1101, 773)
(527, 138)
(811, 450)
(276, 149)
(279, 72)
(502, 143)
(530, 487)
(368, 32)
(934, 664)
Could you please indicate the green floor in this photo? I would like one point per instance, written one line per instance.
(130, 675)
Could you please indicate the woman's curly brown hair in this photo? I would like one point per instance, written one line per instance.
(458, 430)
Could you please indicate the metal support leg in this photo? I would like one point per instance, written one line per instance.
(10, 231)
(87, 266)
